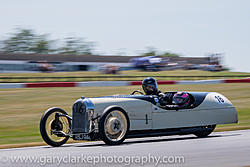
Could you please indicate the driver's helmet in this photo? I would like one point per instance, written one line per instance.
(181, 99)
(150, 86)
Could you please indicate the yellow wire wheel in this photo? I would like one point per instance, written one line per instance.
(114, 126)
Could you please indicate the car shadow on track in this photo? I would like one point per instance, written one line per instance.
(143, 140)
(148, 140)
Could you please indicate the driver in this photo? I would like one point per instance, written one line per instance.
(150, 87)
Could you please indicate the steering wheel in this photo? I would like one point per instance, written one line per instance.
(137, 91)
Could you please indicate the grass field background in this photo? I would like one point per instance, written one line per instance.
(21, 109)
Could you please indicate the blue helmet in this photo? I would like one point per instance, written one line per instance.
(150, 86)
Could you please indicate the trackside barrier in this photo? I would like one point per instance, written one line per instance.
(115, 83)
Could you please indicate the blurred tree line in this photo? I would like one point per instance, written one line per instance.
(26, 41)
(151, 51)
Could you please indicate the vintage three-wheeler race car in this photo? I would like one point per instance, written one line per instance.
(112, 119)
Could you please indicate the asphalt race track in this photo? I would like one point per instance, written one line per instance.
(230, 148)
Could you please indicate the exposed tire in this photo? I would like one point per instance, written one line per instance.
(205, 131)
(47, 124)
(114, 126)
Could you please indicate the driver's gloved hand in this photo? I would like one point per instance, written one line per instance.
(165, 99)
(161, 95)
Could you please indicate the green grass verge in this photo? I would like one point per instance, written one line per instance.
(21, 109)
(123, 74)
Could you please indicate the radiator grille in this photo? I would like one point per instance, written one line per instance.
(80, 122)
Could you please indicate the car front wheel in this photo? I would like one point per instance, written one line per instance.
(54, 130)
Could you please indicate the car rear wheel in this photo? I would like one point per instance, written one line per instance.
(113, 126)
(205, 131)
(54, 131)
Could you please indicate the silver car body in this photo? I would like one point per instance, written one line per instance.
(143, 115)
